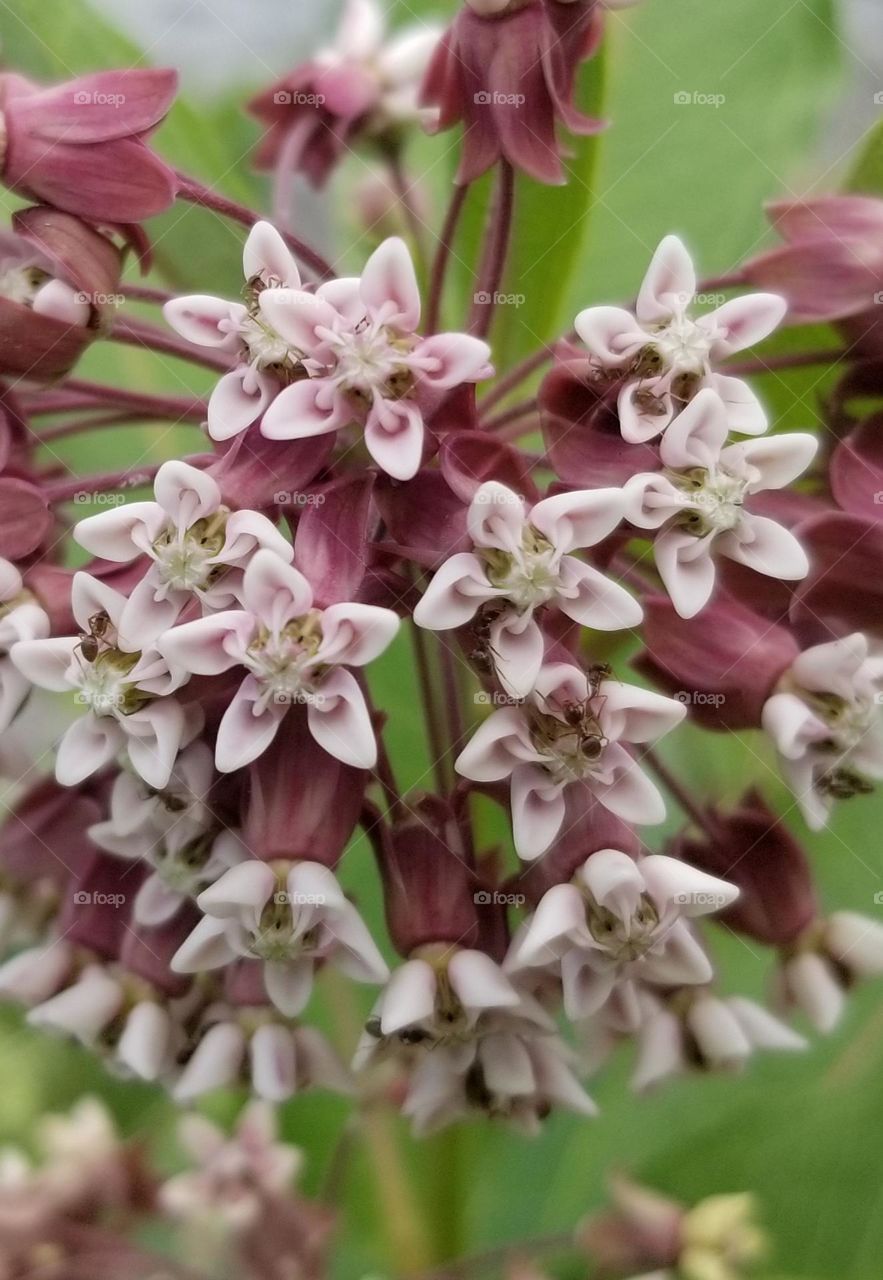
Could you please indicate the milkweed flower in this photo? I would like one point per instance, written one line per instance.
(521, 562)
(617, 922)
(664, 356)
(21, 618)
(122, 687)
(198, 547)
(367, 364)
(819, 967)
(824, 720)
(700, 502)
(570, 732)
(507, 70)
(363, 87)
(263, 360)
(295, 656)
(290, 917)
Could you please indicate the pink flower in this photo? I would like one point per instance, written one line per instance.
(506, 69)
(665, 356)
(294, 653)
(21, 618)
(619, 922)
(570, 732)
(81, 145)
(512, 1075)
(199, 548)
(366, 362)
(290, 916)
(825, 723)
(363, 86)
(120, 684)
(832, 956)
(521, 563)
(264, 360)
(703, 1030)
(698, 503)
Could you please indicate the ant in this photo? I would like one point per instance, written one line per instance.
(483, 654)
(582, 717)
(91, 641)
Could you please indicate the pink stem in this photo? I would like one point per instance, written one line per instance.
(515, 413)
(518, 374)
(133, 333)
(794, 361)
(443, 257)
(196, 193)
(493, 264)
(704, 821)
(144, 293)
(132, 478)
(89, 395)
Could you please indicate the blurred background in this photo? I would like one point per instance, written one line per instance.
(784, 97)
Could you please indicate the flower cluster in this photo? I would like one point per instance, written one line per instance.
(360, 519)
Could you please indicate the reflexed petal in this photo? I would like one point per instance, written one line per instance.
(355, 634)
(686, 567)
(745, 321)
(394, 435)
(88, 745)
(455, 593)
(306, 408)
(594, 600)
(496, 517)
(245, 732)
(265, 254)
(389, 285)
(779, 459)
(538, 808)
(205, 320)
(239, 398)
(698, 433)
(580, 519)
(669, 286)
(765, 546)
(339, 720)
(611, 334)
(409, 997)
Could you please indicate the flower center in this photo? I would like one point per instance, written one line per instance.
(104, 686)
(623, 937)
(183, 869)
(684, 345)
(283, 662)
(716, 499)
(185, 560)
(529, 576)
(20, 283)
(372, 358)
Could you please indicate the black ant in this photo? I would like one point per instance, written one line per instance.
(91, 641)
(582, 717)
(483, 654)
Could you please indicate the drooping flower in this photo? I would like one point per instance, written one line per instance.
(507, 70)
(521, 562)
(512, 1074)
(700, 503)
(295, 655)
(362, 87)
(264, 360)
(692, 1028)
(570, 731)
(81, 145)
(199, 548)
(824, 720)
(21, 618)
(665, 357)
(367, 364)
(291, 916)
(120, 684)
(618, 922)
(818, 967)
